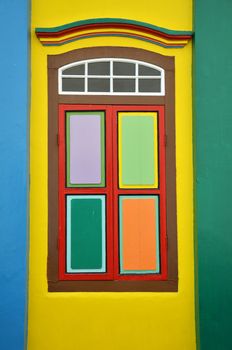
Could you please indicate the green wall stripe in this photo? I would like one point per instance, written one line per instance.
(213, 155)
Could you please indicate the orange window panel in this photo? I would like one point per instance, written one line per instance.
(139, 234)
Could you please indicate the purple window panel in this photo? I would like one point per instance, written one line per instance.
(85, 149)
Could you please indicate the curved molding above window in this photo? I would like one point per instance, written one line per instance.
(111, 76)
(102, 27)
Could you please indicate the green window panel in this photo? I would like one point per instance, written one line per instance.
(86, 233)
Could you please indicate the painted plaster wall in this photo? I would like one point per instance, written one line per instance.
(67, 321)
(13, 173)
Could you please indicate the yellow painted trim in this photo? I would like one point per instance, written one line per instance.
(156, 170)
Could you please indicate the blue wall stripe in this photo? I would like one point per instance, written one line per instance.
(13, 175)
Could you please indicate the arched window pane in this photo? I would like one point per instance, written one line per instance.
(144, 70)
(111, 76)
(124, 68)
(99, 68)
(76, 70)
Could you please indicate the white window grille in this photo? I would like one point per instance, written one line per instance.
(111, 76)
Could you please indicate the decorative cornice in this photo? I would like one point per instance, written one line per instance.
(103, 27)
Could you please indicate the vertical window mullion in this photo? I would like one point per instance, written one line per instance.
(136, 78)
(111, 76)
(162, 83)
(86, 77)
(110, 194)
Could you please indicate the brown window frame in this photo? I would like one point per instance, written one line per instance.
(168, 101)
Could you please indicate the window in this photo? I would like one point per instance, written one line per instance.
(112, 193)
(112, 207)
(111, 76)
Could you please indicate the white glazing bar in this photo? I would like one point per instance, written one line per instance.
(162, 85)
(136, 78)
(145, 64)
(114, 76)
(86, 77)
(60, 88)
(73, 76)
(111, 76)
(112, 93)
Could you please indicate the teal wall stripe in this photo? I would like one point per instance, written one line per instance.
(15, 21)
(213, 154)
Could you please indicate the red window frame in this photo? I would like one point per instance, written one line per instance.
(112, 192)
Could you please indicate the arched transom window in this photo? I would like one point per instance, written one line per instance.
(111, 76)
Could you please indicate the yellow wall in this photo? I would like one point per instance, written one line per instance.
(125, 321)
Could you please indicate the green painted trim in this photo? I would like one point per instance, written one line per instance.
(112, 20)
(102, 115)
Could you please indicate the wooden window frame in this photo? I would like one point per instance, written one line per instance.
(169, 280)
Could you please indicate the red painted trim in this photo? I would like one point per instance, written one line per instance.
(112, 25)
(63, 191)
(115, 187)
(161, 192)
(112, 192)
(139, 36)
(162, 176)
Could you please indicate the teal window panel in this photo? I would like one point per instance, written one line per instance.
(86, 242)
